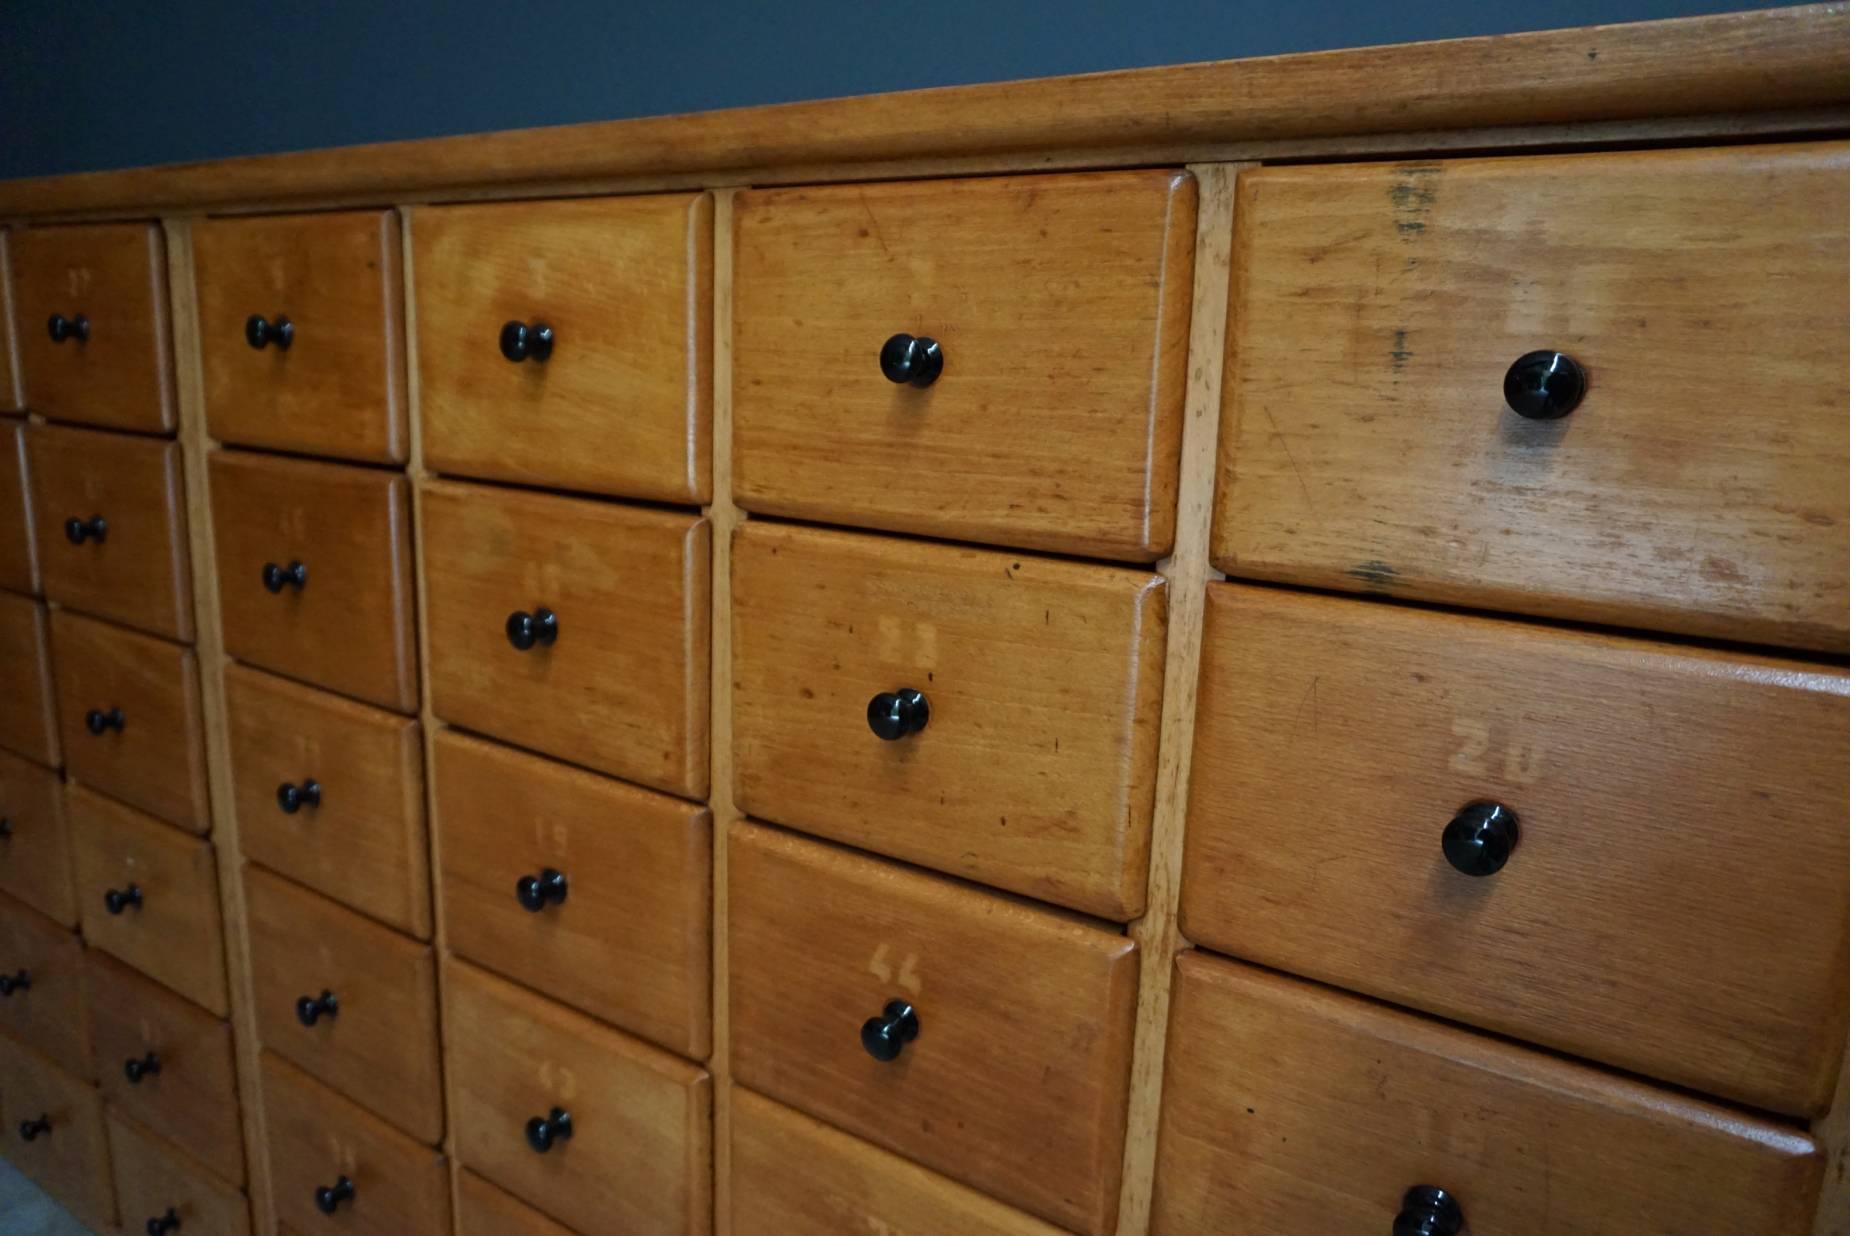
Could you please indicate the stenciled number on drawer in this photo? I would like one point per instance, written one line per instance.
(1521, 758)
(558, 1080)
(907, 976)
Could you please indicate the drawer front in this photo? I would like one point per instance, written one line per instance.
(331, 794)
(42, 987)
(794, 1176)
(301, 333)
(638, 1158)
(825, 941)
(155, 758)
(19, 563)
(1377, 310)
(155, 1181)
(1060, 308)
(113, 278)
(65, 1154)
(621, 402)
(1649, 785)
(188, 1091)
(623, 686)
(29, 725)
(1036, 768)
(127, 489)
(591, 891)
(484, 1210)
(11, 398)
(37, 867)
(148, 894)
(317, 1140)
(1289, 1108)
(353, 1003)
(347, 623)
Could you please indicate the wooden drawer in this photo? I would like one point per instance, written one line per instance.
(1036, 770)
(358, 834)
(65, 1155)
(19, 562)
(35, 845)
(155, 1181)
(1290, 1108)
(138, 572)
(317, 1139)
(1652, 788)
(624, 686)
(29, 724)
(173, 932)
(378, 1045)
(1699, 486)
(631, 940)
(42, 987)
(190, 1096)
(348, 624)
(484, 1210)
(794, 1176)
(11, 398)
(114, 277)
(1060, 305)
(155, 758)
(622, 404)
(639, 1156)
(336, 387)
(1017, 1079)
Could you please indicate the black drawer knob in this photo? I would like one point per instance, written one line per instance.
(536, 892)
(95, 528)
(886, 1035)
(527, 341)
(32, 1130)
(147, 1066)
(329, 1197)
(524, 630)
(20, 981)
(1544, 386)
(292, 797)
(1428, 1210)
(1480, 838)
(100, 721)
(75, 327)
(311, 1009)
(894, 714)
(911, 360)
(276, 578)
(116, 900)
(260, 333)
(165, 1224)
(6, 828)
(544, 1131)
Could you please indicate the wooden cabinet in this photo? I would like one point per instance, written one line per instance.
(29, 723)
(37, 867)
(19, 563)
(156, 1184)
(42, 988)
(11, 399)
(484, 1210)
(52, 1128)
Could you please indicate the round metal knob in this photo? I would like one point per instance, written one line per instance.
(536, 892)
(892, 715)
(311, 1009)
(20, 981)
(523, 341)
(524, 630)
(101, 720)
(32, 1130)
(75, 327)
(329, 1197)
(544, 1131)
(147, 1066)
(911, 360)
(1544, 386)
(276, 578)
(292, 797)
(77, 531)
(116, 900)
(886, 1035)
(165, 1224)
(261, 333)
(1428, 1210)
(1480, 838)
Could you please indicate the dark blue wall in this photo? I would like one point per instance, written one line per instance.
(115, 83)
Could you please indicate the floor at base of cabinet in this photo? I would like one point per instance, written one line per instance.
(26, 1210)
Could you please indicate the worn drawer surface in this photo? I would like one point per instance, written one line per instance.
(331, 793)
(35, 844)
(338, 387)
(66, 1155)
(348, 624)
(29, 723)
(1023, 1018)
(483, 1209)
(1036, 768)
(1060, 305)
(623, 686)
(1698, 487)
(19, 563)
(1290, 1108)
(42, 1000)
(156, 1181)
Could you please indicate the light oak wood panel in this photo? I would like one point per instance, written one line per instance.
(43, 1005)
(1677, 904)
(192, 1100)
(29, 724)
(624, 687)
(139, 573)
(380, 1047)
(11, 398)
(19, 561)
(631, 941)
(622, 405)
(338, 388)
(1698, 488)
(155, 1181)
(348, 627)
(1290, 1108)
(1017, 1080)
(484, 1210)
(639, 1156)
(174, 935)
(156, 761)
(1036, 769)
(71, 1162)
(1061, 307)
(35, 844)
(364, 842)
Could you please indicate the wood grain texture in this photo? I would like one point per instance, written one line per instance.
(624, 688)
(140, 573)
(364, 844)
(115, 276)
(12, 399)
(484, 1210)
(29, 723)
(1036, 770)
(1025, 1019)
(623, 404)
(155, 1179)
(639, 1158)
(157, 760)
(339, 388)
(631, 943)
(72, 1164)
(175, 935)
(46, 1011)
(381, 1048)
(35, 856)
(1367, 446)
(1063, 440)
(349, 627)
(19, 557)
(1274, 1081)
(193, 1100)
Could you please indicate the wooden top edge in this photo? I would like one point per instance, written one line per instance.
(1758, 61)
